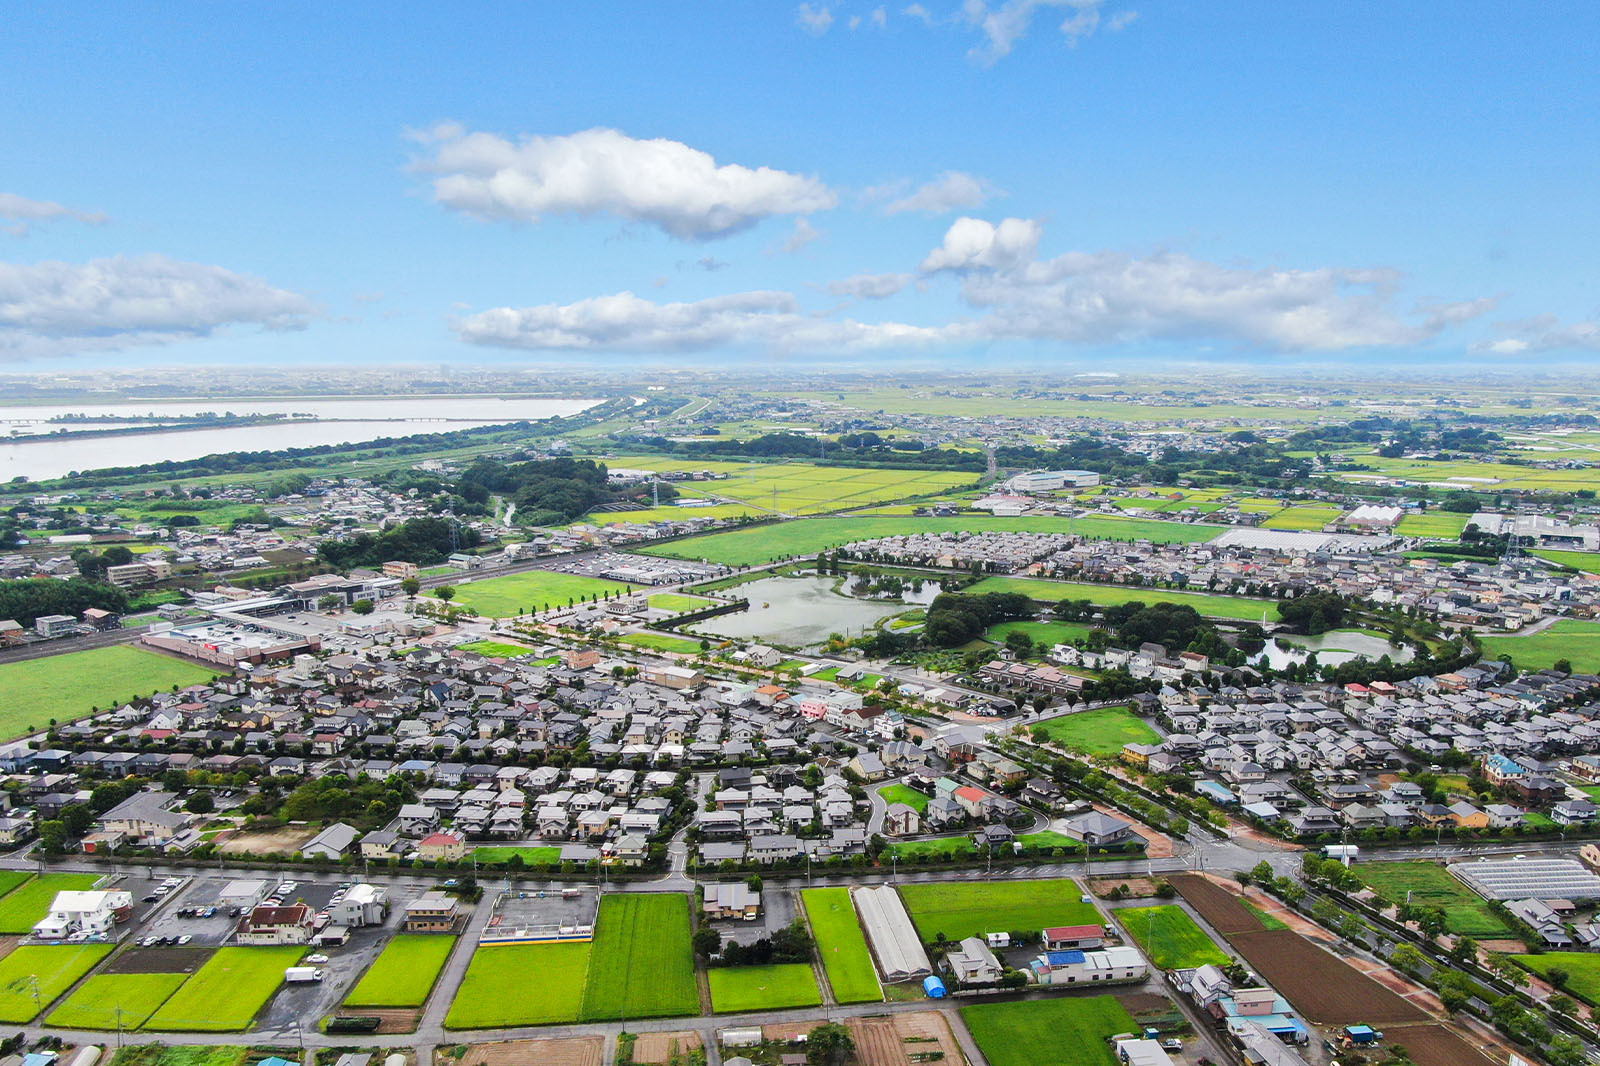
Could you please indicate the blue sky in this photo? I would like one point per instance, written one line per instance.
(1013, 183)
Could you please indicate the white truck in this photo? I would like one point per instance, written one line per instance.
(1346, 853)
(299, 975)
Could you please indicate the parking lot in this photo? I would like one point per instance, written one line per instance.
(777, 911)
(538, 908)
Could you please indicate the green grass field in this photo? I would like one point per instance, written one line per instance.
(502, 597)
(1018, 1034)
(184, 1055)
(937, 848)
(403, 974)
(962, 910)
(1583, 971)
(227, 992)
(1239, 608)
(1588, 562)
(649, 966)
(1049, 838)
(23, 906)
(56, 968)
(483, 1002)
(662, 642)
(1578, 642)
(764, 544)
(797, 488)
(68, 686)
(1302, 518)
(671, 514)
(529, 854)
(1446, 525)
(1431, 885)
(678, 603)
(113, 1000)
(747, 988)
(1102, 731)
(1043, 634)
(1170, 937)
(905, 794)
(842, 945)
(495, 649)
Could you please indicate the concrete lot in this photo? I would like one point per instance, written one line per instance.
(777, 910)
(530, 907)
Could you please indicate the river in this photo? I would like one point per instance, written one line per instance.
(331, 421)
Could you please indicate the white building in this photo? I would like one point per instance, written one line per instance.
(1052, 480)
(362, 905)
(93, 913)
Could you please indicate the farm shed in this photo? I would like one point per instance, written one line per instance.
(889, 930)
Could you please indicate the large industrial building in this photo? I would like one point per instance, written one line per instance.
(1051, 480)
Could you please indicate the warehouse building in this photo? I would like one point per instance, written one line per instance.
(889, 930)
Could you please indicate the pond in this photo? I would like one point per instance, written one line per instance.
(1340, 646)
(799, 612)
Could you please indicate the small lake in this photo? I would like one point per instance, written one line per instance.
(329, 421)
(1336, 648)
(799, 612)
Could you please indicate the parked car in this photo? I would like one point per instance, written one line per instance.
(316, 959)
(184, 939)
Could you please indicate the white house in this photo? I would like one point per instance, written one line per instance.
(94, 913)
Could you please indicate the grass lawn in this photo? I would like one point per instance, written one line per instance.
(744, 988)
(483, 1002)
(502, 597)
(842, 945)
(1239, 608)
(24, 906)
(68, 686)
(227, 992)
(905, 794)
(1444, 524)
(938, 847)
(662, 642)
(1170, 937)
(1103, 731)
(764, 544)
(1583, 969)
(1588, 562)
(403, 975)
(1431, 885)
(1017, 1034)
(1043, 634)
(649, 965)
(1049, 838)
(95, 1004)
(677, 602)
(962, 910)
(495, 649)
(529, 855)
(1578, 642)
(57, 968)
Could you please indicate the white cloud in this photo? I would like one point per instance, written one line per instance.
(880, 17)
(972, 243)
(1542, 333)
(804, 233)
(1003, 26)
(814, 20)
(1121, 21)
(917, 11)
(60, 308)
(870, 286)
(24, 211)
(626, 323)
(666, 183)
(951, 190)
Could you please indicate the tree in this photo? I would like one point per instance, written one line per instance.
(410, 586)
(331, 601)
(200, 803)
(707, 942)
(1406, 957)
(1465, 949)
(829, 1045)
(1455, 990)
(1019, 643)
(1262, 874)
(363, 606)
(1565, 1050)
(445, 592)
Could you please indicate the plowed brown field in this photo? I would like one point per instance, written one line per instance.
(1434, 1045)
(1217, 905)
(1323, 986)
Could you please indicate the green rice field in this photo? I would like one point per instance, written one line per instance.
(70, 685)
(116, 1000)
(1043, 634)
(1588, 562)
(959, 910)
(1431, 885)
(1103, 731)
(22, 907)
(404, 973)
(1170, 938)
(530, 855)
(1583, 971)
(798, 488)
(649, 965)
(556, 997)
(842, 945)
(1570, 639)
(55, 968)
(227, 992)
(1013, 1034)
(1446, 525)
(749, 988)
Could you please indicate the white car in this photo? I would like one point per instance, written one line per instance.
(316, 960)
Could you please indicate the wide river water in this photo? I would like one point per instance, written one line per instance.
(337, 421)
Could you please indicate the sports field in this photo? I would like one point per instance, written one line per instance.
(1444, 524)
(554, 997)
(495, 649)
(1236, 607)
(24, 906)
(907, 795)
(116, 1000)
(743, 988)
(677, 602)
(55, 968)
(1583, 971)
(1017, 1034)
(763, 544)
(530, 855)
(534, 590)
(68, 686)
(227, 992)
(662, 642)
(1044, 635)
(1578, 642)
(403, 974)
(1170, 938)
(1102, 731)
(962, 910)
(1431, 885)
(649, 965)
(842, 945)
